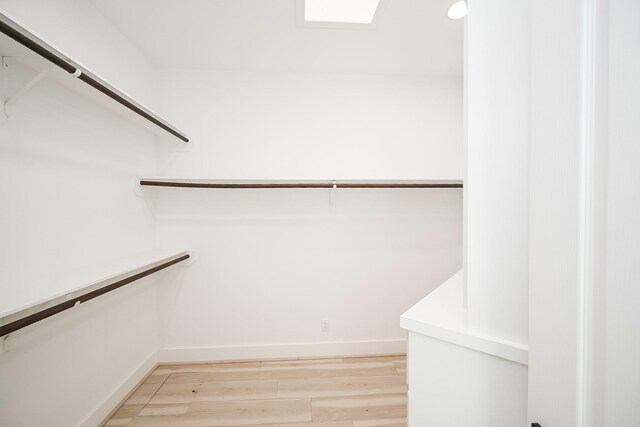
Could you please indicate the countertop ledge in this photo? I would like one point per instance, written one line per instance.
(441, 315)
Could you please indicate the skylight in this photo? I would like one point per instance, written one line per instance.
(341, 11)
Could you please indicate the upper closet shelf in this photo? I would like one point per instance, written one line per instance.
(33, 42)
(264, 184)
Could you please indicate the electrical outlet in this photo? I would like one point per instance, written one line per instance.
(324, 325)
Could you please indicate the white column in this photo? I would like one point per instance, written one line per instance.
(497, 168)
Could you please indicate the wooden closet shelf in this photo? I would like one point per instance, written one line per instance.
(266, 184)
(38, 45)
(122, 273)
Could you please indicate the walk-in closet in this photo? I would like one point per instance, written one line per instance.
(319, 213)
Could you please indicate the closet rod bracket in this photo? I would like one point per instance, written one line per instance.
(334, 186)
(191, 260)
(24, 89)
(137, 188)
(5, 343)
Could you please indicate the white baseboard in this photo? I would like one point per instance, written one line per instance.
(274, 351)
(103, 409)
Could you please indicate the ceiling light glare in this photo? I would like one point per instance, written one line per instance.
(458, 10)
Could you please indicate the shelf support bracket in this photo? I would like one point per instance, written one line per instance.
(24, 89)
(5, 340)
(334, 185)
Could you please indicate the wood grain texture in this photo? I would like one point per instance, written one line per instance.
(351, 392)
(389, 422)
(143, 394)
(321, 369)
(124, 415)
(360, 407)
(341, 386)
(237, 390)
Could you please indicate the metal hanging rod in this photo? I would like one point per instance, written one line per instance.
(72, 302)
(301, 184)
(32, 42)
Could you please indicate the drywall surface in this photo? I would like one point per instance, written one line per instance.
(66, 172)
(555, 212)
(60, 371)
(622, 368)
(79, 30)
(497, 175)
(584, 337)
(315, 126)
(272, 263)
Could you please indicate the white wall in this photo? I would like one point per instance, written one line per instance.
(555, 205)
(622, 368)
(584, 353)
(584, 348)
(322, 126)
(82, 32)
(66, 168)
(497, 175)
(272, 263)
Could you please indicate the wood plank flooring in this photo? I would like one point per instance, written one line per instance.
(348, 392)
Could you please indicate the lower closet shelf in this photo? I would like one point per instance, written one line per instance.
(111, 276)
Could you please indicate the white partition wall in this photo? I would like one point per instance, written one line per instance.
(467, 365)
(584, 207)
(497, 174)
(497, 183)
(622, 368)
(556, 209)
(552, 234)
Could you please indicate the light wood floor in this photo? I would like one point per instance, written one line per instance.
(349, 392)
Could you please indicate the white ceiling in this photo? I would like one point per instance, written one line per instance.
(359, 11)
(408, 36)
